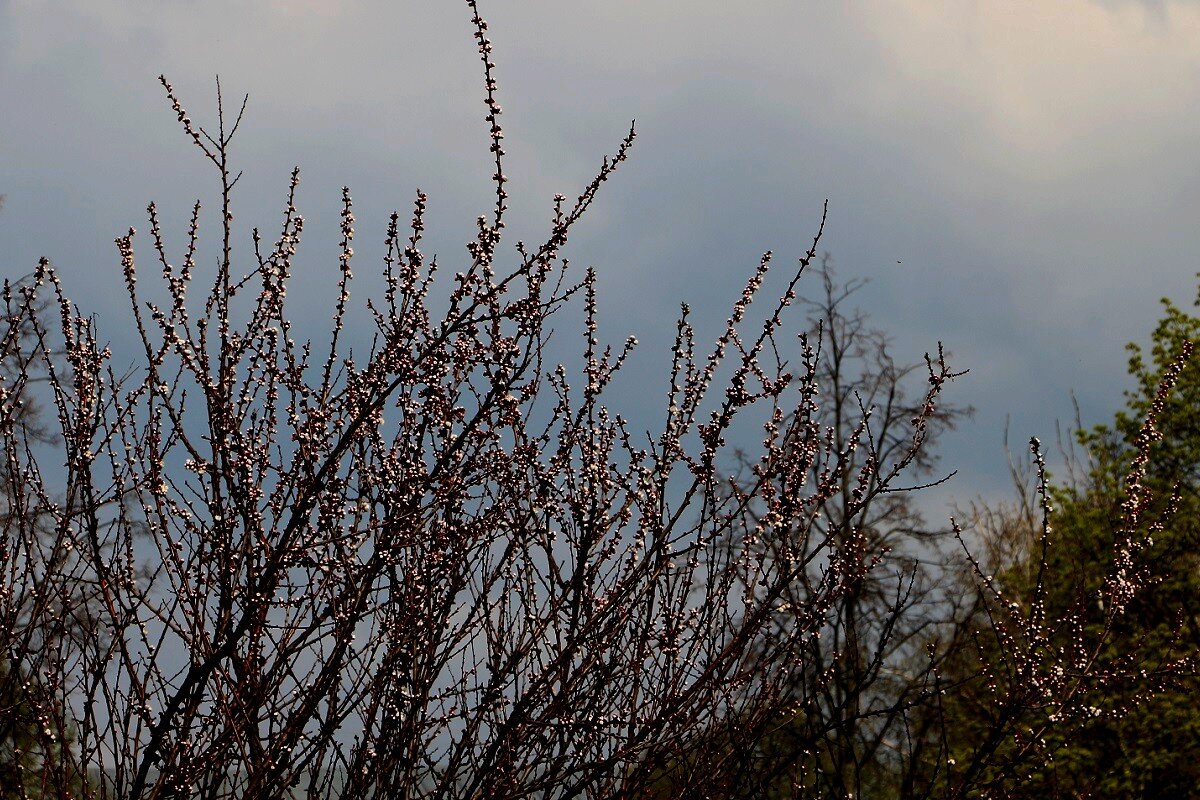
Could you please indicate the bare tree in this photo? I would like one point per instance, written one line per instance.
(442, 568)
(870, 670)
(969, 676)
(35, 618)
(384, 575)
(862, 679)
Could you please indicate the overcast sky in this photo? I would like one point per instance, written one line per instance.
(1032, 165)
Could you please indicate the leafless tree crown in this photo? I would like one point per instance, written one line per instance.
(259, 567)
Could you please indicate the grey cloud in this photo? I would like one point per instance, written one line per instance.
(1037, 186)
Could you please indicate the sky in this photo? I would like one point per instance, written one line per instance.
(1016, 179)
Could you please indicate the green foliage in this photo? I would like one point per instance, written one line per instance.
(34, 752)
(19, 750)
(774, 759)
(1143, 739)
(1152, 748)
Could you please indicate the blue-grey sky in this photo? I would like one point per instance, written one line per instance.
(1032, 165)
